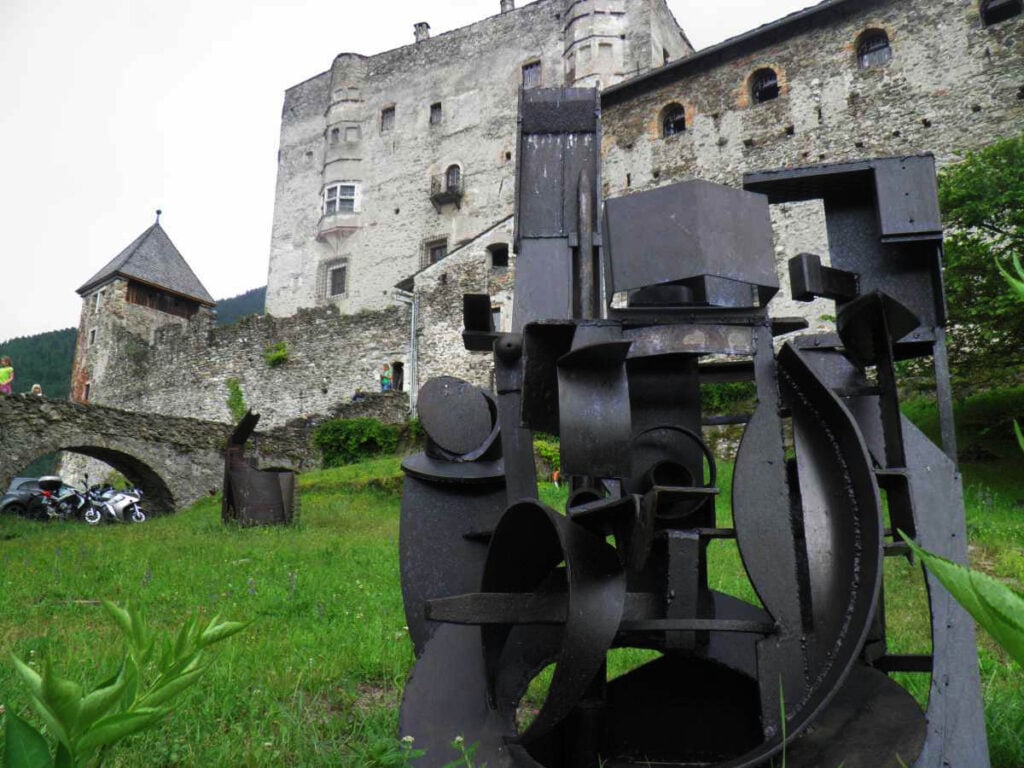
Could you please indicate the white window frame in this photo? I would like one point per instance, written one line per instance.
(336, 194)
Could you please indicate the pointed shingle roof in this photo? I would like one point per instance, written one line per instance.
(151, 258)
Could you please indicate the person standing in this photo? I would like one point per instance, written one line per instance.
(6, 375)
(385, 378)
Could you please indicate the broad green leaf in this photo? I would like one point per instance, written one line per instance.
(32, 678)
(113, 728)
(101, 701)
(1020, 436)
(993, 605)
(222, 631)
(24, 746)
(63, 758)
(171, 688)
(63, 698)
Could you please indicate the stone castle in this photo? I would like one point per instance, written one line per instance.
(396, 177)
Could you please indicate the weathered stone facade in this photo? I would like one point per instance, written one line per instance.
(186, 368)
(384, 158)
(951, 85)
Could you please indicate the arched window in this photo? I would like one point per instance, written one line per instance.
(764, 86)
(453, 179)
(673, 120)
(995, 11)
(873, 49)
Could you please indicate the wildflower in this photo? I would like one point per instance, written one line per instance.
(408, 739)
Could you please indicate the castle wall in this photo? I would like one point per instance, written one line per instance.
(333, 131)
(185, 370)
(951, 85)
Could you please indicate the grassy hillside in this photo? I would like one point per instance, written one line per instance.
(317, 679)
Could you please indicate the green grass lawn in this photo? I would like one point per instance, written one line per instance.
(316, 679)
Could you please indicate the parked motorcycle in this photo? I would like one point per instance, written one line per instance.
(107, 503)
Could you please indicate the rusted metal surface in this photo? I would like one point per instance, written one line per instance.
(499, 586)
(254, 496)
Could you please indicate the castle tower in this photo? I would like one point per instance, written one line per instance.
(607, 41)
(144, 287)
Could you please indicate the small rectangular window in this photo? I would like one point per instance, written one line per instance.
(337, 277)
(435, 251)
(335, 135)
(531, 75)
(436, 114)
(92, 337)
(352, 133)
(88, 388)
(339, 198)
(496, 318)
(387, 119)
(99, 301)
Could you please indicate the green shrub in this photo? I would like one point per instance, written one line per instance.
(547, 450)
(236, 401)
(276, 354)
(730, 398)
(346, 441)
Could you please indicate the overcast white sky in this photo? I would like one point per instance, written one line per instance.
(113, 108)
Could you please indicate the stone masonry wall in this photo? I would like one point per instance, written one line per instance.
(951, 86)
(185, 370)
(332, 132)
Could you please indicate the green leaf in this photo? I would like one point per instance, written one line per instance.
(113, 728)
(993, 605)
(121, 617)
(25, 747)
(222, 631)
(63, 758)
(32, 679)
(101, 701)
(1016, 284)
(64, 699)
(171, 688)
(1020, 436)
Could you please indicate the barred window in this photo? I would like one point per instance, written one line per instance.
(453, 179)
(764, 86)
(531, 75)
(387, 119)
(873, 49)
(435, 113)
(336, 277)
(673, 120)
(434, 251)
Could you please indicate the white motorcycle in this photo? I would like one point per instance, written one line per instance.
(113, 505)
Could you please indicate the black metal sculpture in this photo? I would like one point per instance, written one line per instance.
(254, 496)
(616, 326)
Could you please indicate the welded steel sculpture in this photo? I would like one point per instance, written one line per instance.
(254, 496)
(619, 319)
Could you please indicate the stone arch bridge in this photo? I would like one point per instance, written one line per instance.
(175, 460)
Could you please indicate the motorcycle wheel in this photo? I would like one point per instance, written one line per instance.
(16, 509)
(92, 516)
(138, 516)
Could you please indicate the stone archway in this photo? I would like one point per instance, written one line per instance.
(158, 495)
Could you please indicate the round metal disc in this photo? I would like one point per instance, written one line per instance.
(455, 414)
